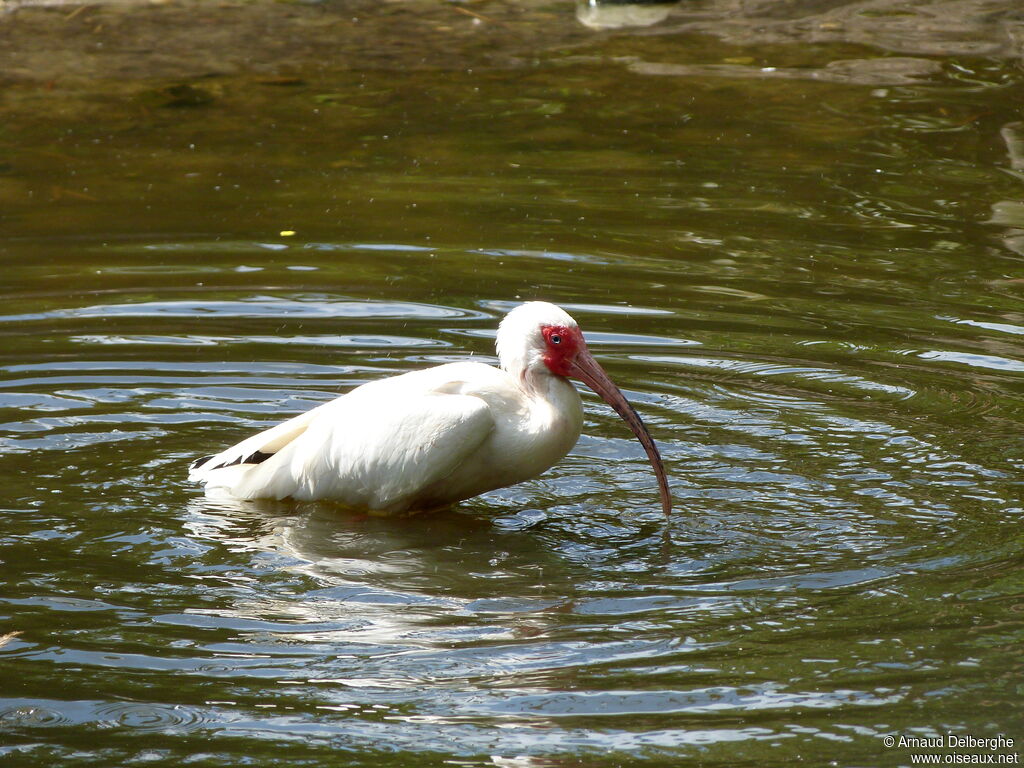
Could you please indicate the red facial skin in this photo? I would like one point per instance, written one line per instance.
(566, 354)
(560, 353)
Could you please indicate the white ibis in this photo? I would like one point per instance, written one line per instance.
(427, 439)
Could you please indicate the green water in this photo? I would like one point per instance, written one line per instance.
(809, 286)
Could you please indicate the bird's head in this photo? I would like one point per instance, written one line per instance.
(538, 339)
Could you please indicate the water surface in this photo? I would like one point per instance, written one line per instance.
(802, 263)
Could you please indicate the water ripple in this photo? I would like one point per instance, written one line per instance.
(308, 306)
(140, 716)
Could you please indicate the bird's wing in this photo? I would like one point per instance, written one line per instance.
(450, 378)
(390, 445)
(376, 453)
(382, 456)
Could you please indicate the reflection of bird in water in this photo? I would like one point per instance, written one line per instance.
(430, 438)
(1010, 213)
(358, 578)
(614, 14)
(340, 548)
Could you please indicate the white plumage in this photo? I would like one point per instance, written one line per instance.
(429, 438)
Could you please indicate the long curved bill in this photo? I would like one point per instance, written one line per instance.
(589, 371)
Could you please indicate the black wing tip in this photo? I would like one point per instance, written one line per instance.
(256, 457)
(199, 462)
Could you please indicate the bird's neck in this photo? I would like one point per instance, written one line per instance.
(556, 410)
(555, 390)
(537, 382)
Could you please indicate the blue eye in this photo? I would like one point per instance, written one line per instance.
(556, 339)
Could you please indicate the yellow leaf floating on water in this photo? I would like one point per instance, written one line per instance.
(287, 232)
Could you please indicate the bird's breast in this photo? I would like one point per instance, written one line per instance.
(539, 433)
